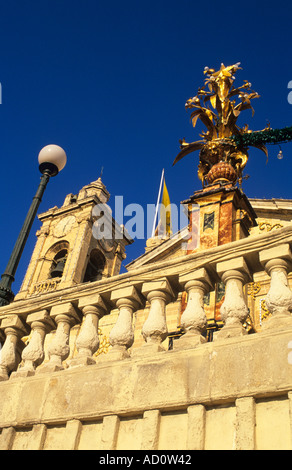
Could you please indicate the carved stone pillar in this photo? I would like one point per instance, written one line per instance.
(159, 293)
(234, 312)
(121, 336)
(10, 354)
(87, 343)
(277, 263)
(65, 316)
(33, 354)
(194, 320)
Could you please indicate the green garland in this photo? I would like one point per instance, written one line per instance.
(271, 136)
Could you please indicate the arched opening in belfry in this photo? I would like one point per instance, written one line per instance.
(95, 267)
(58, 264)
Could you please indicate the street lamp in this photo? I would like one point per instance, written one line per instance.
(52, 159)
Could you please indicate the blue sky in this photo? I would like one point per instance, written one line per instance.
(108, 81)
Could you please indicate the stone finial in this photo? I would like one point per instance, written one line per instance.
(65, 316)
(159, 293)
(93, 308)
(34, 354)
(14, 329)
(194, 320)
(121, 337)
(234, 312)
(277, 263)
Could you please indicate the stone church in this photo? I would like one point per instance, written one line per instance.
(190, 349)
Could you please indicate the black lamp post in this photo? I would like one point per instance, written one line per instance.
(52, 159)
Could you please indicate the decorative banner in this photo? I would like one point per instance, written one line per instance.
(268, 136)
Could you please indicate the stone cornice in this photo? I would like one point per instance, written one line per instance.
(248, 247)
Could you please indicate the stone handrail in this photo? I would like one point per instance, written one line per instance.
(159, 284)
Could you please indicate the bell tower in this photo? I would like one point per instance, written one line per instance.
(68, 251)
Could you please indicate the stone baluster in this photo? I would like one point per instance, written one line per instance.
(234, 312)
(159, 293)
(277, 263)
(33, 354)
(194, 320)
(127, 300)
(65, 316)
(87, 343)
(10, 354)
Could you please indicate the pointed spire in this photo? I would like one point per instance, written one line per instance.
(95, 188)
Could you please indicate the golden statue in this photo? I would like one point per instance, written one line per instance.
(220, 157)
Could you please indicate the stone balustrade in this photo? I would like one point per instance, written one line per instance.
(153, 286)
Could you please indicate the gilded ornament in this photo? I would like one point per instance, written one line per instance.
(253, 289)
(248, 324)
(264, 311)
(104, 344)
(216, 107)
(268, 227)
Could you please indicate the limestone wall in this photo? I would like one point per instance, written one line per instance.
(229, 394)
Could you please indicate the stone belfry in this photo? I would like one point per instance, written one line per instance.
(67, 251)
